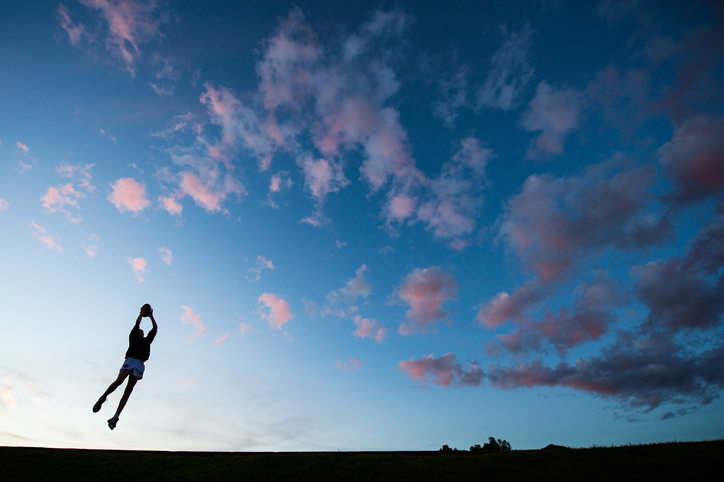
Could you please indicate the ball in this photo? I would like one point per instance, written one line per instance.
(146, 310)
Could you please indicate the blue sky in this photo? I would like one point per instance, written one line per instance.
(369, 226)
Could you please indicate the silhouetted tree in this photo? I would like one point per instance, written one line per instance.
(445, 448)
(493, 444)
(504, 445)
(476, 448)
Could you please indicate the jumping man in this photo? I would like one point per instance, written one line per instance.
(139, 349)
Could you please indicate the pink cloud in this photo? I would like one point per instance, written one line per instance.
(50, 241)
(341, 103)
(166, 255)
(352, 365)
(240, 126)
(221, 339)
(442, 371)
(22, 147)
(189, 317)
(555, 221)
(455, 194)
(369, 329)
(75, 31)
(91, 250)
(279, 181)
(205, 194)
(694, 158)
(57, 198)
(510, 72)
(639, 371)
(245, 328)
(170, 204)
(139, 267)
(279, 310)
(504, 307)
(128, 195)
(321, 176)
(425, 290)
(130, 24)
(261, 264)
(555, 113)
(4, 205)
(77, 171)
(355, 287)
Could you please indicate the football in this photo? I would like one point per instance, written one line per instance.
(146, 310)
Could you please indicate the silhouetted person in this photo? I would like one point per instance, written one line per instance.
(139, 349)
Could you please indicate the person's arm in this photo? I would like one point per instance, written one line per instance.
(150, 315)
(154, 330)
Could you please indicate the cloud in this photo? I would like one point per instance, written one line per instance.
(205, 194)
(129, 24)
(166, 75)
(261, 264)
(221, 339)
(166, 255)
(56, 198)
(555, 113)
(454, 89)
(640, 372)
(339, 97)
(615, 11)
(4, 204)
(50, 241)
(371, 329)
(352, 365)
(92, 250)
(355, 287)
(455, 195)
(279, 310)
(678, 296)
(510, 72)
(588, 321)
(25, 151)
(23, 148)
(139, 267)
(170, 204)
(686, 293)
(75, 32)
(504, 307)
(75, 172)
(189, 317)
(425, 290)
(554, 222)
(694, 158)
(240, 127)
(128, 195)
(107, 135)
(442, 371)
(278, 183)
(245, 328)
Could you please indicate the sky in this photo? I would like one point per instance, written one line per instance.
(362, 225)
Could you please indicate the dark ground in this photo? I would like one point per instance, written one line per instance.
(680, 461)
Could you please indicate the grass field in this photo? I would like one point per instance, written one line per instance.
(667, 461)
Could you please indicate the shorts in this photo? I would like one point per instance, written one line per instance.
(134, 366)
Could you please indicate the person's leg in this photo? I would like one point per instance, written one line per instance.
(132, 380)
(111, 388)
